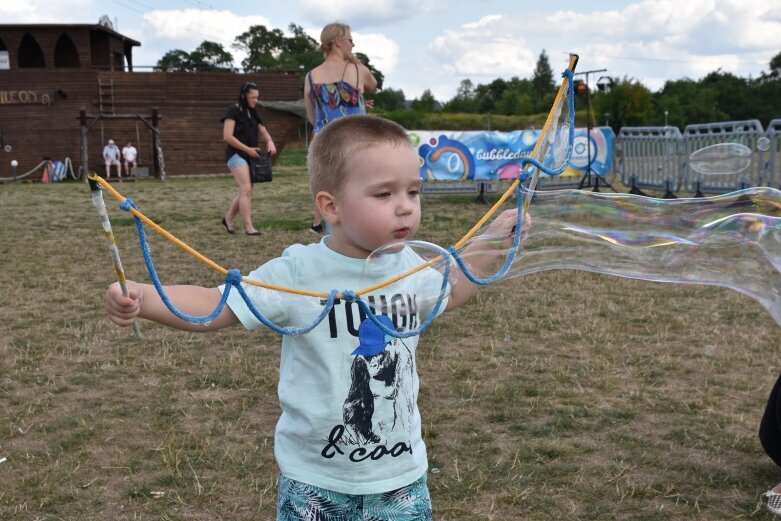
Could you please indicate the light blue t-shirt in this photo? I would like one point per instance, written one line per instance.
(349, 423)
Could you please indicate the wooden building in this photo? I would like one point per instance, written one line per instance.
(51, 73)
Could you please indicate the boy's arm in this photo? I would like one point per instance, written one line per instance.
(144, 302)
(482, 255)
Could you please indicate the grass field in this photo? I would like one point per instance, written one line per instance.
(563, 395)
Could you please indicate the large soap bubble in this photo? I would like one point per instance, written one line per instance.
(721, 159)
(731, 240)
(554, 145)
(425, 277)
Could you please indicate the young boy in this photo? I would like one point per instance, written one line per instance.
(349, 437)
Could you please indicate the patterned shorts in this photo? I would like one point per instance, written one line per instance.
(301, 502)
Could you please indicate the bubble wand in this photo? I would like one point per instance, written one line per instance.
(100, 206)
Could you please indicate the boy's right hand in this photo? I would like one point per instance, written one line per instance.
(120, 309)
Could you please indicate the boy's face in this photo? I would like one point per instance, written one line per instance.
(379, 202)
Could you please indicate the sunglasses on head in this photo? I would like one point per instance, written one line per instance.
(250, 85)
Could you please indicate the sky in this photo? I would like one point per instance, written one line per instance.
(435, 44)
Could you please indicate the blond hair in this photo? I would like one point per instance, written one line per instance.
(330, 34)
(340, 140)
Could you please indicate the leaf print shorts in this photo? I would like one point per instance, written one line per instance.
(301, 502)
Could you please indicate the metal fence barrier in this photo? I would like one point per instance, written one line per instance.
(773, 157)
(658, 157)
(702, 135)
(650, 157)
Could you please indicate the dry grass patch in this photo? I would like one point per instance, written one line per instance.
(562, 395)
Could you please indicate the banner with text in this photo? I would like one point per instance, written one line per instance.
(488, 155)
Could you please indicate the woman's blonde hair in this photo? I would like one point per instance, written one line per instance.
(331, 33)
(340, 140)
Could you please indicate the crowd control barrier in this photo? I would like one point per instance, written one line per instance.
(702, 135)
(650, 158)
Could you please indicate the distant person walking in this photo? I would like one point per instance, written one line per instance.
(241, 128)
(129, 153)
(111, 157)
(336, 88)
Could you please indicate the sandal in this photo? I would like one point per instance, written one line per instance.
(774, 500)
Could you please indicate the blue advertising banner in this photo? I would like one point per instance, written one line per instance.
(489, 156)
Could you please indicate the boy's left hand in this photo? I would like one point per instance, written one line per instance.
(503, 227)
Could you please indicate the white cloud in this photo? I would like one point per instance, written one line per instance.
(162, 31)
(360, 13)
(381, 50)
(492, 46)
(44, 11)
(434, 44)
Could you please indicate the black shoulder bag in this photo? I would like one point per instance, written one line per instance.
(260, 168)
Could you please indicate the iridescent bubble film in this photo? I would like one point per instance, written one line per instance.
(553, 145)
(732, 240)
(426, 275)
(721, 159)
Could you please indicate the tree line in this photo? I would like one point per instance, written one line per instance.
(265, 50)
(718, 96)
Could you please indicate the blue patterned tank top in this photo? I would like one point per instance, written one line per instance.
(335, 100)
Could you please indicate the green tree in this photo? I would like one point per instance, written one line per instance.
(174, 60)
(426, 102)
(543, 85)
(464, 100)
(733, 99)
(298, 51)
(211, 56)
(629, 103)
(389, 100)
(769, 95)
(686, 101)
(263, 47)
(208, 56)
(515, 102)
(518, 99)
(775, 66)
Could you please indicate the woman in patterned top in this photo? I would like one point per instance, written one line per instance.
(336, 87)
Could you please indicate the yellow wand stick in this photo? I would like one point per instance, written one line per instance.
(100, 206)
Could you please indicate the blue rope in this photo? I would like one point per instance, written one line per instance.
(350, 296)
(288, 330)
(510, 256)
(233, 278)
(522, 176)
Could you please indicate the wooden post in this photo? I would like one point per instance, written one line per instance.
(155, 159)
(158, 145)
(84, 168)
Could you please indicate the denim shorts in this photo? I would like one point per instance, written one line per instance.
(236, 161)
(301, 502)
